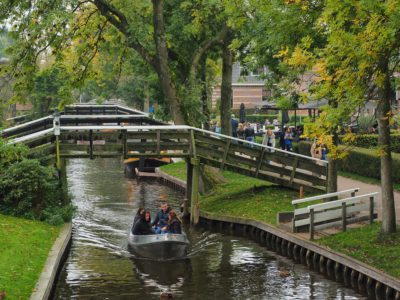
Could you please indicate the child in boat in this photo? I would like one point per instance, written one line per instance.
(161, 219)
(143, 225)
(174, 224)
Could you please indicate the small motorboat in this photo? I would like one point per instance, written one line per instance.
(159, 246)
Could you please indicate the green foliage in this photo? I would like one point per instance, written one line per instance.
(51, 89)
(371, 141)
(260, 118)
(28, 189)
(365, 123)
(361, 161)
(10, 154)
(25, 245)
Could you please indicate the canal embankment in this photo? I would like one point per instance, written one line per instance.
(55, 259)
(24, 249)
(360, 258)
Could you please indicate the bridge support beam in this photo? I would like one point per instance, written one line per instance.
(188, 193)
(194, 203)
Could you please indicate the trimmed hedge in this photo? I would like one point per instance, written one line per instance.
(360, 161)
(261, 118)
(371, 140)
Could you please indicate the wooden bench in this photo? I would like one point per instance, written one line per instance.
(303, 213)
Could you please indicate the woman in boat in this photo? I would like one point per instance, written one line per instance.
(138, 214)
(174, 224)
(143, 225)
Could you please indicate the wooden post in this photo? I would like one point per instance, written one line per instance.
(311, 223)
(91, 142)
(194, 206)
(371, 210)
(58, 160)
(353, 194)
(124, 144)
(189, 176)
(344, 216)
(228, 144)
(158, 141)
(301, 194)
(63, 180)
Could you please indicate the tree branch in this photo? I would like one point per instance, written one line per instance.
(118, 19)
(204, 47)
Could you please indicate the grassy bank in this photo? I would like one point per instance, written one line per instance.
(368, 245)
(242, 196)
(24, 247)
(246, 197)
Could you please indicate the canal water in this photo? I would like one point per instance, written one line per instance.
(219, 266)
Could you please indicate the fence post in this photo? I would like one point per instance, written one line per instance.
(343, 216)
(311, 223)
(371, 210)
(91, 142)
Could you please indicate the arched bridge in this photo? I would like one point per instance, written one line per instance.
(112, 131)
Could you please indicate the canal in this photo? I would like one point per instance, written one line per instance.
(219, 266)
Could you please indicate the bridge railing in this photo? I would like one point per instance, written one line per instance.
(253, 159)
(224, 152)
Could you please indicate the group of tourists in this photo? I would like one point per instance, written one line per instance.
(166, 221)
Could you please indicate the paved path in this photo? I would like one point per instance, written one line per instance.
(347, 183)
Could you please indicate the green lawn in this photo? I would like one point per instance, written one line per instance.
(24, 246)
(370, 246)
(242, 196)
(250, 198)
(177, 170)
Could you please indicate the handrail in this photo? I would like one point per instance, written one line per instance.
(260, 145)
(182, 127)
(109, 105)
(26, 124)
(336, 203)
(319, 197)
(31, 136)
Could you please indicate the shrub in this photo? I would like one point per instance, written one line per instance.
(10, 154)
(30, 190)
(260, 118)
(361, 161)
(371, 140)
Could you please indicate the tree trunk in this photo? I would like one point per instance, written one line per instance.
(384, 110)
(226, 87)
(204, 94)
(163, 70)
(333, 162)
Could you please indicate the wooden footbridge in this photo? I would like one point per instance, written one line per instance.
(85, 131)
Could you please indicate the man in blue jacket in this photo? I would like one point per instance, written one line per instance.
(161, 219)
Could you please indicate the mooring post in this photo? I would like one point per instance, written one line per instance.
(194, 205)
(188, 194)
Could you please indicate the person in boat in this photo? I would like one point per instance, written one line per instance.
(140, 212)
(143, 225)
(174, 224)
(162, 216)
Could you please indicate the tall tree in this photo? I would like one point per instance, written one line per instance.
(356, 65)
(149, 29)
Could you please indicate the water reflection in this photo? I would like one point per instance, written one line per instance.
(218, 267)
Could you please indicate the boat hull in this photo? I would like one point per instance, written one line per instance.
(159, 246)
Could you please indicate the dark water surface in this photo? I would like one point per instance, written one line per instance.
(219, 266)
